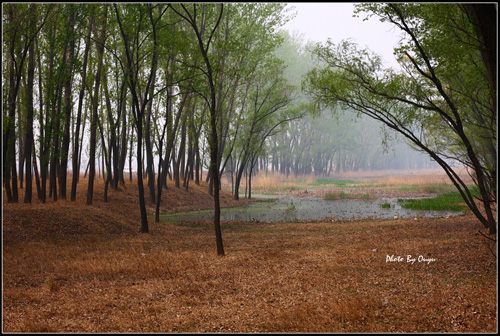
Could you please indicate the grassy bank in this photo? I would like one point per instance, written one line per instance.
(452, 201)
(357, 184)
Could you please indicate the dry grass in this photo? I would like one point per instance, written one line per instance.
(422, 178)
(410, 179)
(72, 270)
(398, 175)
(367, 184)
(276, 180)
(263, 182)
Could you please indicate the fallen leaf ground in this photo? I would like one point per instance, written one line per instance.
(68, 267)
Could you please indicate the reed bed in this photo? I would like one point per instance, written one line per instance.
(274, 181)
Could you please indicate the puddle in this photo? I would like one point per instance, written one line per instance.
(288, 208)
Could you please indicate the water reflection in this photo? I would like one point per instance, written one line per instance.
(288, 208)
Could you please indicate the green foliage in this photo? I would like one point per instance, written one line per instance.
(290, 213)
(347, 195)
(440, 102)
(452, 201)
(337, 183)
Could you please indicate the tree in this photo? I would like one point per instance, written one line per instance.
(430, 102)
(204, 36)
(246, 41)
(174, 78)
(76, 137)
(141, 15)
(18, 38)
(268, 108)
(67, 101)
(101, 38)
(30, 110)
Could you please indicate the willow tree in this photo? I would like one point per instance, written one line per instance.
(269, 106)
(247, 38)
(441, 101)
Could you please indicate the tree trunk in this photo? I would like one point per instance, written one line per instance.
(112, 152)
(21, 126)
(140, 182)
(29, 141)
(67, 108)
(8, 123)
(106, 160)
(76, 146)
(149, 147)
(93, 124)
(35, 166)
(213, 141)
(123, 142)
(178, 164)
(44, 132)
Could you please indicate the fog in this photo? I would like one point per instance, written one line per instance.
(318, 22)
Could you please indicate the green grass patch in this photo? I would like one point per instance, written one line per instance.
(337, 183)
(335, 196)
(274, 189)
(345, 195)
(266, 200)
(435, 189)
(451, 201)
(385, 206)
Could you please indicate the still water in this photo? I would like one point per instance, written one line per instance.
(288, 208)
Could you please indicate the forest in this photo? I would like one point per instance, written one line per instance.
(199, 91)
(351, 197)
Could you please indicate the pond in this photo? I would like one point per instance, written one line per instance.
(289, 208)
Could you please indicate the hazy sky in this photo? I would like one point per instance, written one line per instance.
(320, 21)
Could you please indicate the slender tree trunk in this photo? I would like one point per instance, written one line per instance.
(21, 126)
(106, 160)
(29, 141)
(35, 166)
(67, 108)
(111, 155)
(178, 164)
(149, 148)
(140, 181)
(44, 130)
(93, 127)
(171, 131)
(213, 141)
(8, 123)
(53, 109)
(76, 146)
(54, 161)
(130, 151)
(123, 141)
